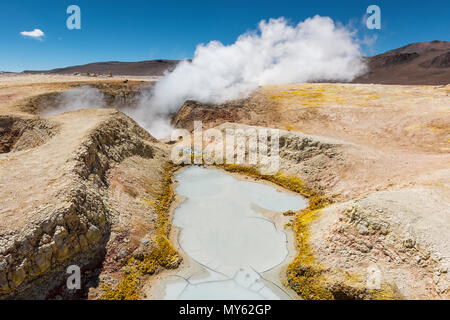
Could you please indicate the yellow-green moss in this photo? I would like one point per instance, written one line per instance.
(304, 274)
(311, 97)
(289, 182)
(126, 290)
(387, 292)
(163, 201)
(164, 255)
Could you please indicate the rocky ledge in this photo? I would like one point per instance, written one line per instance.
(57, 195)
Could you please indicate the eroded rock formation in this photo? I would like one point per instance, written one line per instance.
(55, 208)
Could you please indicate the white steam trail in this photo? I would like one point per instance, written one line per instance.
(313, 50)
(77, 98)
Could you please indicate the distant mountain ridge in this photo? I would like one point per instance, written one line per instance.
(420, 63)
(117, 68)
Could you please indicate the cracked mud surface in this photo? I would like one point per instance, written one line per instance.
(231, 244)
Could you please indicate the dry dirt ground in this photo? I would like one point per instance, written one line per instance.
(85, 186)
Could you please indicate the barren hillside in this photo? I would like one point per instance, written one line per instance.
(426, 63)
(141, 68)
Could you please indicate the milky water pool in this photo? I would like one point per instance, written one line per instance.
(222, 228)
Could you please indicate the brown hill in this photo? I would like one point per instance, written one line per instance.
(141, 68)
(422, 63)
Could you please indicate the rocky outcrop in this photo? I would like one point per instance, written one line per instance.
(120, 95)
(401, 234)
(18, 134)
(55, 211)
(317, 160)
(210, 114)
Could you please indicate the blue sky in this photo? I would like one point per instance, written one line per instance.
(143, 30)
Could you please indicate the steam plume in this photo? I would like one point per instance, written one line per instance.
(313, 50)
(77, 98)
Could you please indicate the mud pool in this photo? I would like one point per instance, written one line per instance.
(225, 230)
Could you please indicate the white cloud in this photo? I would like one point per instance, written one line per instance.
(35, 34)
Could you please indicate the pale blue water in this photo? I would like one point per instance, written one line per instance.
(222, 230)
